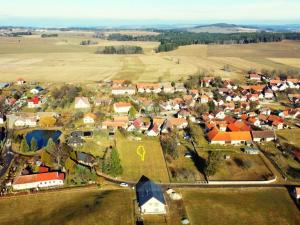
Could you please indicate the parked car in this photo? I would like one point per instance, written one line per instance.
(123, 185)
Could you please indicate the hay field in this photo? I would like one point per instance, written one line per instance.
(153, 166)
(62, 59)
(73, 207)
(240, 206)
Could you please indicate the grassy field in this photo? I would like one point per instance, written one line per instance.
(232, 168)
(240, 206)
(287, 163)
(154, 166)
(289, 136)
(62, 59)
(85, 206)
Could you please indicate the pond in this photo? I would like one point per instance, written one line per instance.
(42, 137)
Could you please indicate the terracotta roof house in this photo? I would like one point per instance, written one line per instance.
(20, 81)
(254, 76)
(42, 180)
(153, 131)
(117, 90)
(114, 124)
(122, 107)
(236, 137)
(148, 87)
(239, 126)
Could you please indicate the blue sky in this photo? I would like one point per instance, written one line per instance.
(91, 12)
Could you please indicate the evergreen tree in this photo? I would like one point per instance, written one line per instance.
(24, 147)
(33, 144)
(50, 146)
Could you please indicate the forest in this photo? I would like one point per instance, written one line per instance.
(170, 40)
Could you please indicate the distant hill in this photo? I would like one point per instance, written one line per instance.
(223, 28)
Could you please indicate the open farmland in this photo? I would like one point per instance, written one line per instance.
(63, 59)
(153, 166)
(240, 206)
(76, 206)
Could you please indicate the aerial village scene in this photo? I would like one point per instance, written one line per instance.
(204, 130)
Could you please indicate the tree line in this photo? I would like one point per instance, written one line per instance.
(170, 40)
(49, 35)
(121, 50)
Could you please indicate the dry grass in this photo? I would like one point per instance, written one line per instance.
(289, 136)
(153, 166)
(62, 59)
(232, 170)
(240, 206)
(84, 206)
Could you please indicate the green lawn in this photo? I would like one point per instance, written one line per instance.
(240, 206)
(72, 207)
(153, 166)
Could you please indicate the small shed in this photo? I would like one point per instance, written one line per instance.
(251, 151)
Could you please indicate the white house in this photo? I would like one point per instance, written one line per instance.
(123, 90)
(82, 103)
(168, 88)
(89, 118)
(150, 197)
(26, 122)
(204, 99)
(20, 81)
(122, 107)
(36, 90)
(148, 88)
(269, 94)
(42, 180)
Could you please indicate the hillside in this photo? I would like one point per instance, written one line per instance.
(223, 28)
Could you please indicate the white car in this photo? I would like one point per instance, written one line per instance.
(123, 185)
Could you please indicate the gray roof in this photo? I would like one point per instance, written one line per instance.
(147, 189)
(263, 134)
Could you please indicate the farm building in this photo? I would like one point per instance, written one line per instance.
(262, 136)
(42, 180)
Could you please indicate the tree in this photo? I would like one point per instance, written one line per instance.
(24, 147)
(211, 106)
(253, 105)
(212, 163)
(112, 165)
(169, 144)
(201, 108)
(132, 113)
(50, 145)
(47, 121)
(33, 144)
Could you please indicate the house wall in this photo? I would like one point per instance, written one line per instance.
(41, 184)
(81, 105)
(218, 142)
(153, 206)
(123, 92)
(122, 109)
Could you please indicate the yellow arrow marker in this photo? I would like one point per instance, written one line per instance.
(141, 152)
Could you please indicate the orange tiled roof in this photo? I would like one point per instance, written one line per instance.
(148, 85)
(216, 135)
(39, 177)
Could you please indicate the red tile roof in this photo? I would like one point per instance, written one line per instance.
(39, 177)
